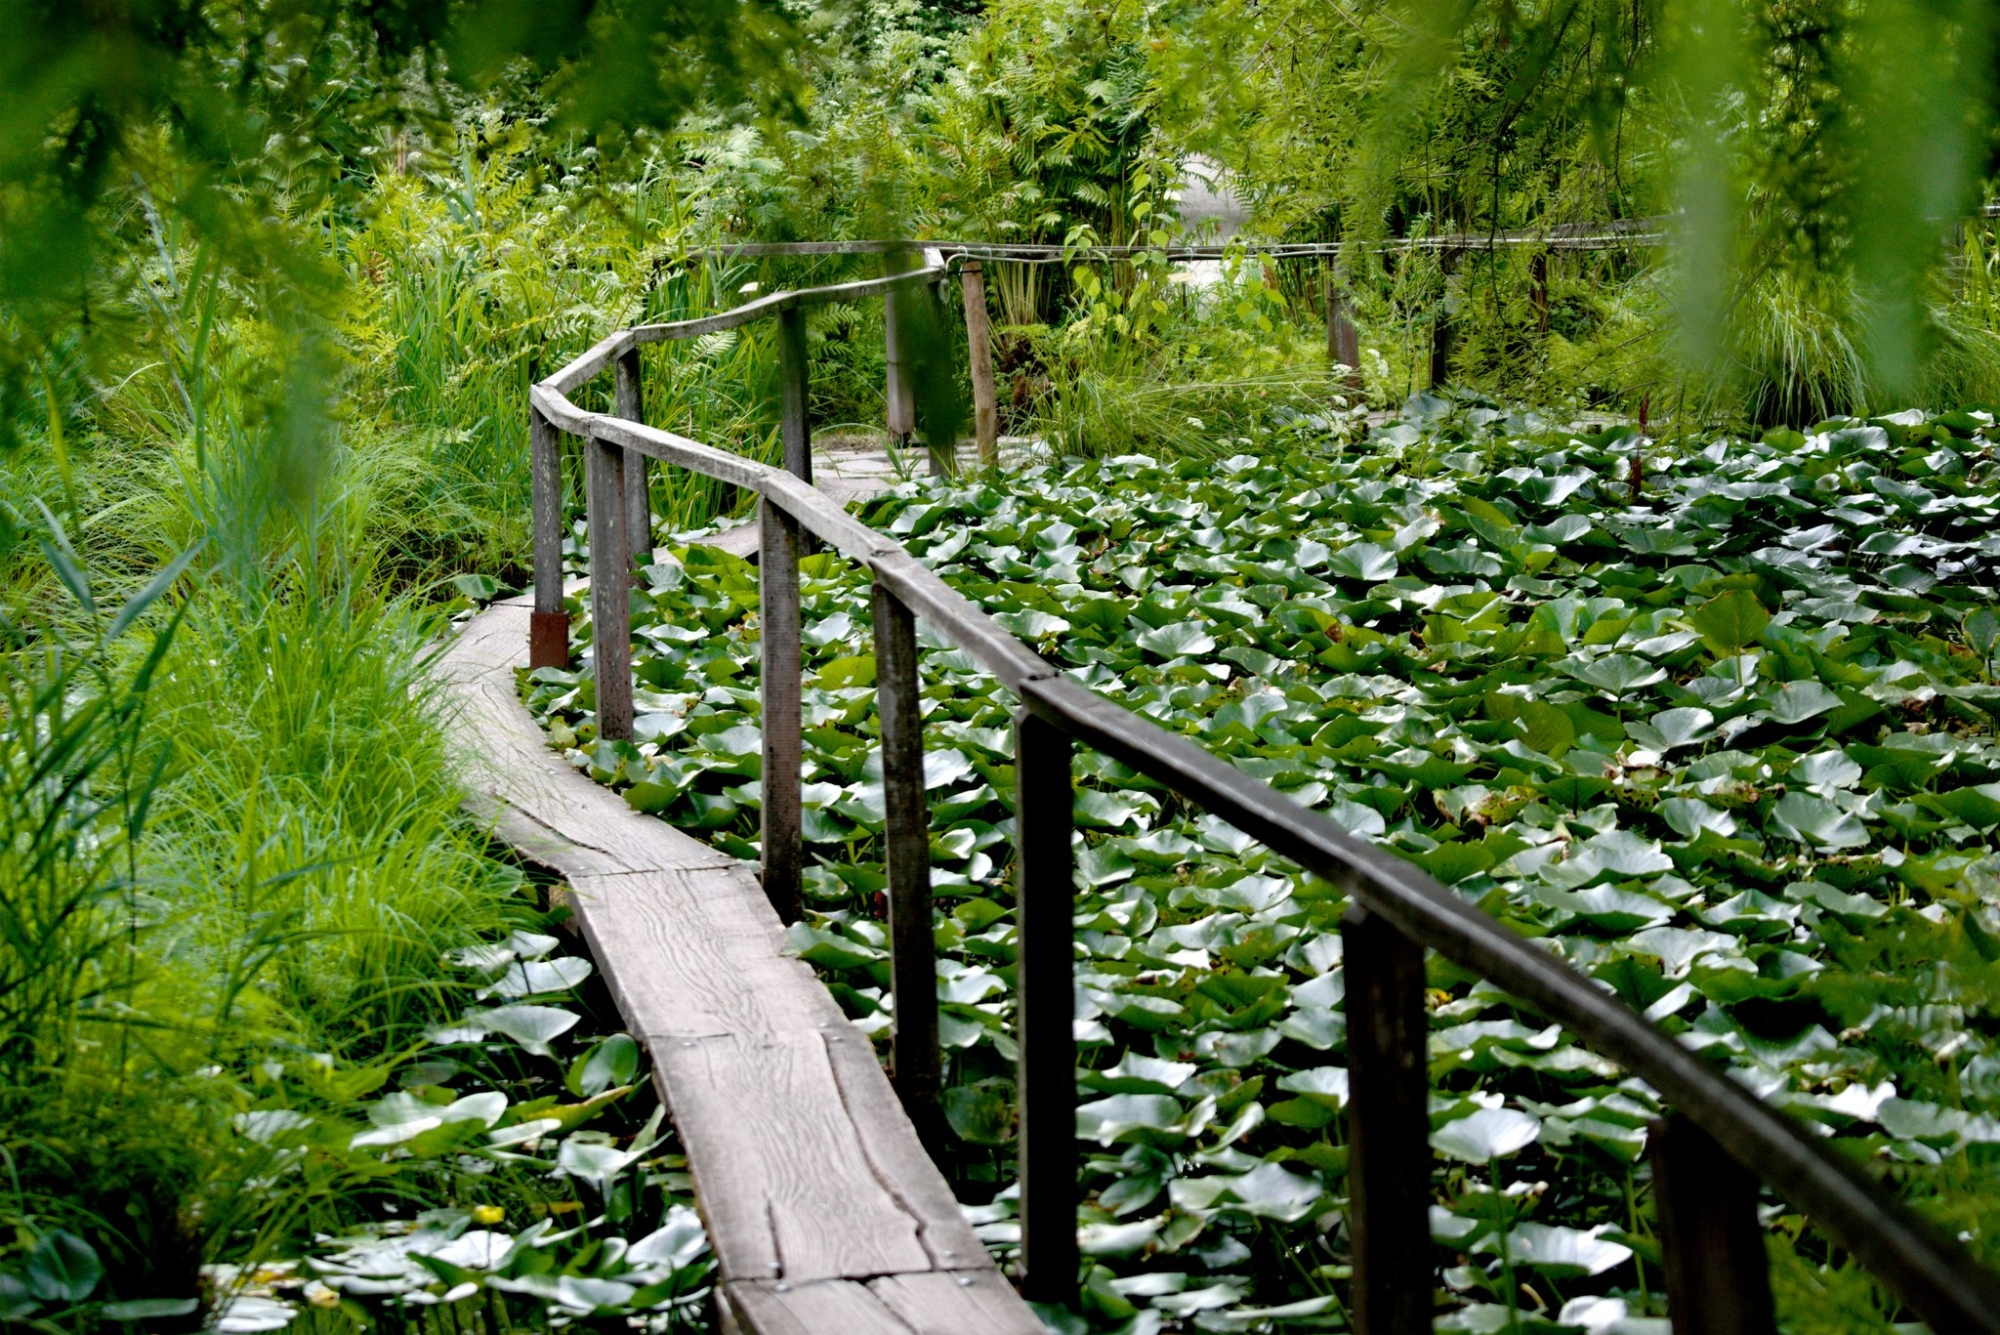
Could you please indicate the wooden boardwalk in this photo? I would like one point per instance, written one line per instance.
(824, 1211)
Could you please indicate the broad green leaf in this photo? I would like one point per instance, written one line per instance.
(1730, 622)
(1797, 701)
(1982, 630)
(1617, 673)
(1177, 639)
(1548, 729)
(1363, 561)
(1817, 822)
(1489, 1133)
(62, 1268)
(614, 1061)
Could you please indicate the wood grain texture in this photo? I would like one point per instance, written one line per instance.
(610, 589)
(628, 394)
(778, 679)
(788, 1184)
(806, 1170)
(979, 361)
(907, 857)
(794, 376)
(545, 478)
(940, 1304)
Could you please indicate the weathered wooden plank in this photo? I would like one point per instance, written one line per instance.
(974, 1303)
(805, 1167)
(696, 954)
(967, 1304)
(792, 1184)
(541, 805)
(830, 1306)
(907, 846)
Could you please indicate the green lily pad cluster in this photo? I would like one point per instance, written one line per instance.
(557, 1213)
(1711, 720)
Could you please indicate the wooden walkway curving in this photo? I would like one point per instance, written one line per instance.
(825, 1213)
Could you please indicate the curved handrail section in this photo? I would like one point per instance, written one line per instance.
(1933, 1273)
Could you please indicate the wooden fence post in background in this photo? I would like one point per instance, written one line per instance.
(1045, 1007)
(778, 645)
(610, 588)
(979, 356)
(912, 949)
(1538, 292)
(1343, 340)
(548, 624)
(1388, 1121)
(901, 405)
(628, 402)
(794, 388)
(1441, 331)
(1718, 1276)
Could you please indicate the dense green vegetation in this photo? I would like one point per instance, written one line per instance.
(274, 279)
(1713, 718)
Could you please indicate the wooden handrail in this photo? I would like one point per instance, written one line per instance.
(1398, 911)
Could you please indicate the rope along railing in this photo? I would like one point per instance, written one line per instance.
(1715, 1145)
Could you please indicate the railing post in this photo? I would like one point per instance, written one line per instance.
(778, 642)
(979, 357)
(1388, 1121)
(1538, 292)
(1045, 1007)
(1343, 340)
(794, 385)
(901, 405)
(1718, 1275)
(548, 624)
(912, 947)
(628, 402)
(1442, 335)
(610, 588)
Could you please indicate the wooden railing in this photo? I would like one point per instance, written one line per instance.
(1713, 1149)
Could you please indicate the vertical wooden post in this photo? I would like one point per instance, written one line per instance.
(979, 356)
(1388, 1120)
(794, 388)
(901, 404)
(1538, 273)
(778, 645)
(1441, 331)
(1343, 340)
(628, 402)
(548, 624)
(1718, 1276)
(610, 588)
(912, 948)
(1045, 1007)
